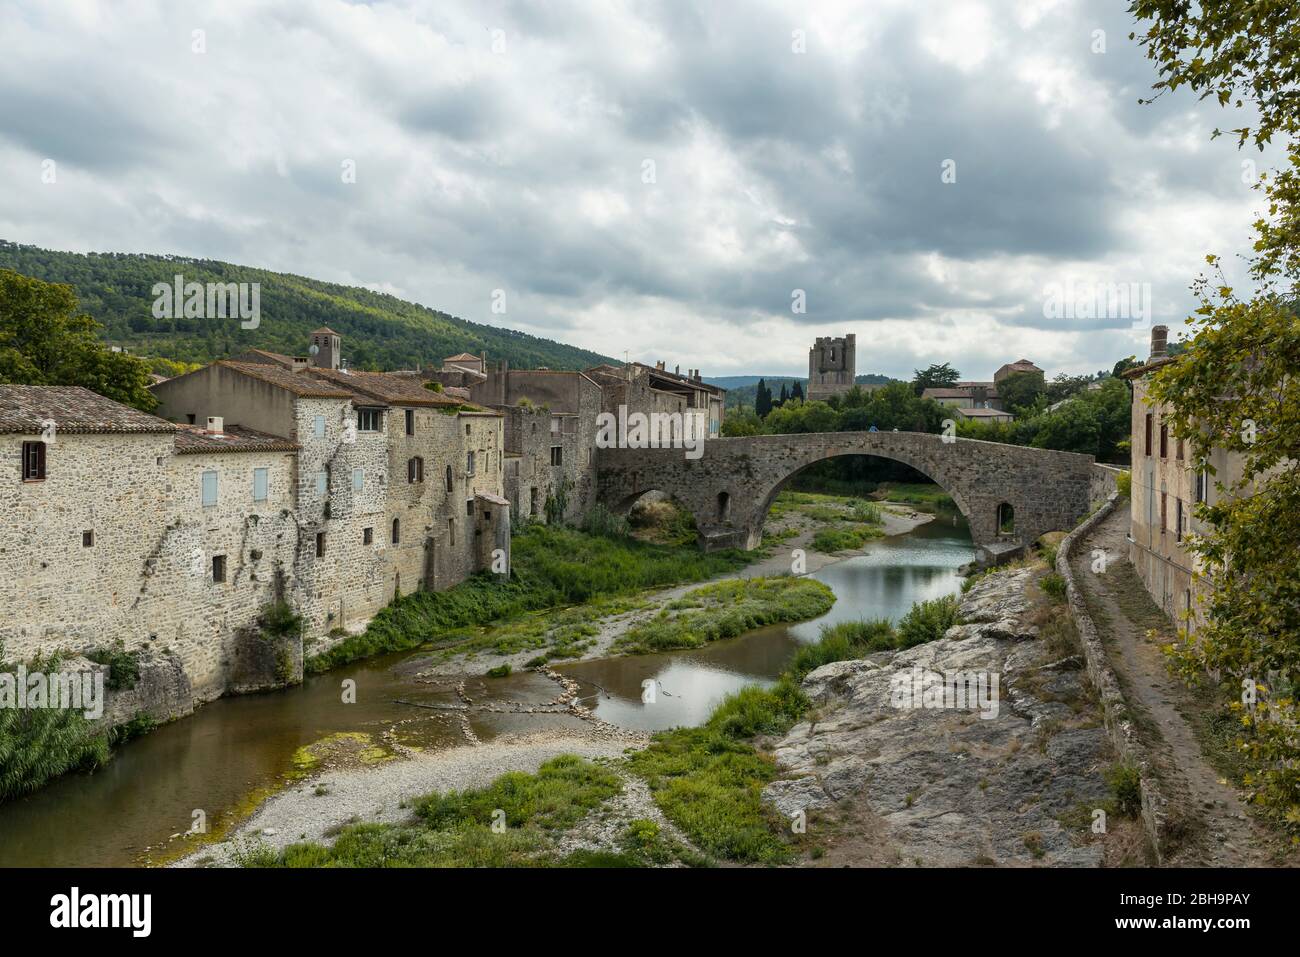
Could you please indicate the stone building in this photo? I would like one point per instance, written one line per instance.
(1166, 485)
(832, 365)
(1011, 368)
(653, 389)
(122, 527)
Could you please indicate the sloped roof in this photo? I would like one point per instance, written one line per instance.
(192, 440)
(388, 388)
(295, 382)
(24, 409)
(326, 330)
(462, 358)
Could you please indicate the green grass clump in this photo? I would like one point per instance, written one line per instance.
(554, 566)
(844, 537)
(727, 609)
(1054, 585)
(455, 829)
(926, 621)
(1126, 786)
(40, 744)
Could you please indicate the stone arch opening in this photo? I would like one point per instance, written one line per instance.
(724, 506)
(958, 499)
(658, 515)
(1006, 518)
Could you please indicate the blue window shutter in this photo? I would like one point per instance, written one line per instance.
(358, 479)
(320, 426)
(209, 488)
(259, 485)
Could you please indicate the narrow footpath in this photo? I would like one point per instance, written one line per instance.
(1209, 824)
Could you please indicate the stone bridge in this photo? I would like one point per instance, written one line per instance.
(1009, 494)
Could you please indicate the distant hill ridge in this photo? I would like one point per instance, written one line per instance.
(379, 330)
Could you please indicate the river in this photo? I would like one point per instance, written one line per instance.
(221, 759)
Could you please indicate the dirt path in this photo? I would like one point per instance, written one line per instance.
(1207, 815)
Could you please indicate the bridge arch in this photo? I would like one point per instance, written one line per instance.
(1045, 490)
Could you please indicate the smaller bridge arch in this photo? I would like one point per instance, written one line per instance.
(731, 486)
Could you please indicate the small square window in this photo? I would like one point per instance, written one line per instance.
(218, 568)
(88, 538)
(369, 420)
(367, 536)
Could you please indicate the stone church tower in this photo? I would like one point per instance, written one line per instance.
(832, 364)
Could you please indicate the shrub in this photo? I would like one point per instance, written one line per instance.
(500, 671)
(1054, 585)
(123, 665)
(1126, 785)
(927, 621)
(1124, 484)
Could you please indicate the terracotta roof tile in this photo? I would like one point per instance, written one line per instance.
(295, 382)
(25, 408)
(191, 440)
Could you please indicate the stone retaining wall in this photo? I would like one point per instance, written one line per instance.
(1115, 710)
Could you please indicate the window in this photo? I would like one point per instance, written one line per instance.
(449, 478)
(1164, 512)
(469, 463)
(1164, 440)
(557, 455)
(367, 536)
(415, 469)
(1178, 516)
(88, 538)
(1178, 450)
(320, 544)
(451, 530)
(260, 477)
(358, 479)
(369, 420)
(319, 426)
(397, 531)
(1006, 519)
(469, 507)
(1203, 486)
(555, 425)
(410, 421)
(189, 417)
(724, 506)
(467, 428)
(1148, 434)
(218, 568)
(532, 501)
(322, 482)
(209, 488)
(33, 461)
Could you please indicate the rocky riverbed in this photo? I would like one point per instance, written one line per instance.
(1013, 778)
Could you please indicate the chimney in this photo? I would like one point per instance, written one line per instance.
(1159, 336)
(677, 370)
(216, 424)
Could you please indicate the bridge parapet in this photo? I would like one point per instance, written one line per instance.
(731, 486)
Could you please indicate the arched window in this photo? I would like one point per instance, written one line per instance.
(724, 506)
(1006, 519)
(397, 530)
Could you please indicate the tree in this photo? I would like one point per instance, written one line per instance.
(934, 376)
(44, 341)
(1020, 389)
(1234, 386)
(784, 395)
(796, 391)
(762, 400)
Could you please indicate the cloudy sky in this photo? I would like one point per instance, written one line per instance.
(641, 178)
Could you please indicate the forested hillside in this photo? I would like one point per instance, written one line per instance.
(379, 331)
(741, 388)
